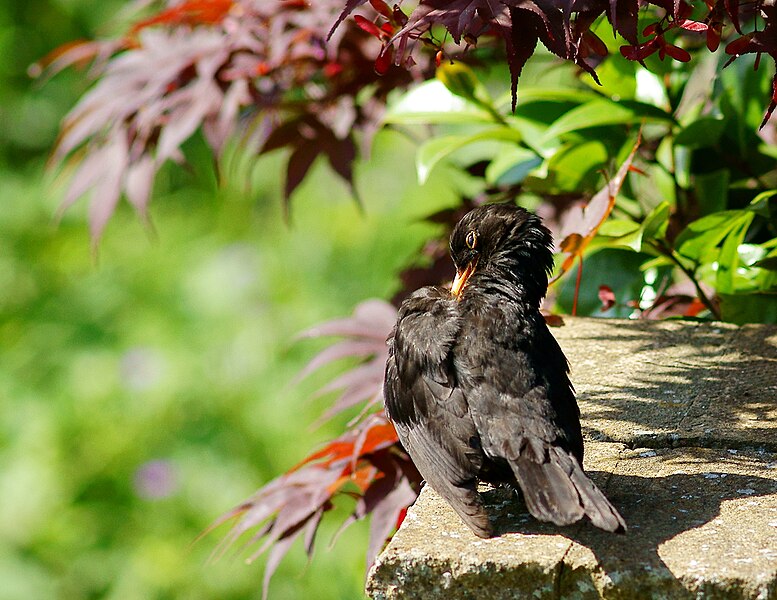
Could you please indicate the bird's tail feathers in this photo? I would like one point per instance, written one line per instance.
(556, 489)
(597, 507)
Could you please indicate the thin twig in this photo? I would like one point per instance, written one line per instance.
(672, 255)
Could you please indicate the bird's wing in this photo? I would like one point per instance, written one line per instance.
(525, 413)
(428, 408)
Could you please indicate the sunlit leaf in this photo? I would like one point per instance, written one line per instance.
(512, 166)
(655, 224)
(555, 94)
(619, 233)
(572, 164)
(728, 259)
(705, 233)
(439, 148)
(462, 81)
(605, 112)
(432, 102)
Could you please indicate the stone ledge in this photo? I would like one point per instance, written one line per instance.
(702, 520)
(671, 383)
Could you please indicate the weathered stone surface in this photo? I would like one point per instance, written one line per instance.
(700, 501)
(673, 383)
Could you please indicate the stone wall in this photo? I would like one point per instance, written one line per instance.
(681, 433)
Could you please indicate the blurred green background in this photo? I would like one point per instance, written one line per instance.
(149, 389)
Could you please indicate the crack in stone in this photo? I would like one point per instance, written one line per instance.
(557, 584)
(560, 570)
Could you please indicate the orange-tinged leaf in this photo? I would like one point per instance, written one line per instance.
(79, 53)
(334, 450)
(553, 320)
(354, 444)
(363, 477)
(380, 435)
(571, 243)
(192, 12)
(581, 230)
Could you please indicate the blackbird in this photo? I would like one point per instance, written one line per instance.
(478, 388)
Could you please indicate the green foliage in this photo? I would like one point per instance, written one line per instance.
(148, 393)
(699, 203)
(148, 389)
(29, 118)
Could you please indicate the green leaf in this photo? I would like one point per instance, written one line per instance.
(706, 233)
(629, 234)
(432, 102)
(656, 263)
(682, 166)
(702, 132)
(617, 76)
(665, 154)
(651, 88)
(653, 188)
(619, 233)
(512, 166)
(728, 259)
(760, 204)
(655, 224)
(537, 94)
(462, 81)
(572, 163)
(712, 191)
(436, 149)
(533, 135)
(606, 112)
(759, 267)
(741, 101)
(768, 150)
(618, 227)
(749, 308)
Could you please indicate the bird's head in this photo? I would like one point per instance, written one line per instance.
(506, 242)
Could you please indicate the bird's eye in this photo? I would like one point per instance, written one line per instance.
(471, 240)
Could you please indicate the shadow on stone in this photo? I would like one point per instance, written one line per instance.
(675, 384)
(659, 511)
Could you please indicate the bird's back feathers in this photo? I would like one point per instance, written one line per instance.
(478, 388)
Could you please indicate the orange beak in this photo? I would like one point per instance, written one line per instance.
(461, 279)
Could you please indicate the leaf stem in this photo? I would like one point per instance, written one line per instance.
(577, 285)
(671, 254)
